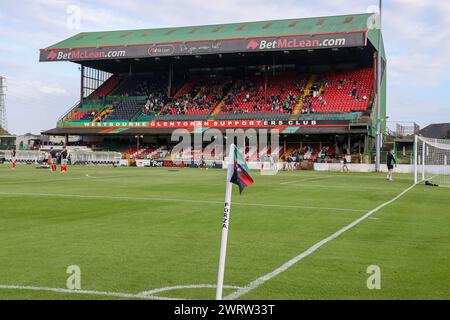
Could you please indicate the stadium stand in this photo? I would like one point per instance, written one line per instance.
(285, 96)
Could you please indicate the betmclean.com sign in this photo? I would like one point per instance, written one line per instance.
(301, 42)
(204, 124)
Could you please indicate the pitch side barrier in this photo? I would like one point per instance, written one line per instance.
(82, 157)
(25, 156)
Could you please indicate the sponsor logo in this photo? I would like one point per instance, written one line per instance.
(52, 55)
(85, 54)
(161, 50)
(295, 43)
(253, 45)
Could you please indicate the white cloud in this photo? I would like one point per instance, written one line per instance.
(52, 90)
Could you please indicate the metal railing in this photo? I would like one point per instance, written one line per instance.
(70, 112)
(83, 157)
(25, 156)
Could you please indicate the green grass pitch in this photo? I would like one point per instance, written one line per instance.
(132, 230)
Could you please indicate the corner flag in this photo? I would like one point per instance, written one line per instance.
(239, 174)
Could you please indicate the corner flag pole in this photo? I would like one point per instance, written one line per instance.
(225, 225)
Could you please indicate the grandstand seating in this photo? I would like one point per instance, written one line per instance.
(285, 96)
(126, 110)
(251, 96)
(344, 92)
(196, 98)
(148, 152)
(77, 116)
(311, 152)
(141, 153)
(140, 85)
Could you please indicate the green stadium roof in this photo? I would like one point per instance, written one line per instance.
(301, 26)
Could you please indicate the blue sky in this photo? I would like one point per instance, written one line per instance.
(416, 35)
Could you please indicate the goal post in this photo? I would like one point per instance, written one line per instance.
(269, 165)
(432, 161)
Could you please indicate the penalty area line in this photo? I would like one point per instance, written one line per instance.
(263, 279)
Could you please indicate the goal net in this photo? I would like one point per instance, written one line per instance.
(432, 161)
(269, 165)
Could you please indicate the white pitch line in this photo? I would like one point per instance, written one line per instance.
(305, 180)
(297, 207)
(193, 286)
(149, 295)
(261, 280)
(86, 292)
(53, 195)
(340, 187)
(85, 177)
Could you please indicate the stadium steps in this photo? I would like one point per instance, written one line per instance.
(199, 93)
(310, 84)
(107, 87)
(105, 112)
(139, 113)
(219, 106)
(184, 89)
(299, 107)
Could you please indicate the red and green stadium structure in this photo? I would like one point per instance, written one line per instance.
(314, 79)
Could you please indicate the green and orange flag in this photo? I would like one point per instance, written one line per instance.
(238, 171)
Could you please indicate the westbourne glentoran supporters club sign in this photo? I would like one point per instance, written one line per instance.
(205, 124)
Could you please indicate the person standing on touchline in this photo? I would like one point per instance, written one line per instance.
(391, 162)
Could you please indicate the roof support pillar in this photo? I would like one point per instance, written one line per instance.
(169, 85)
(82, 86)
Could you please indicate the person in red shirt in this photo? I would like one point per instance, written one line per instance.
(63, 157)
(13, 159)
(50, 161)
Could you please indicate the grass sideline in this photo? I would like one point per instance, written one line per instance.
(133, 230)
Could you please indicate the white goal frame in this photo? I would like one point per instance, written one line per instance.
(432, 161)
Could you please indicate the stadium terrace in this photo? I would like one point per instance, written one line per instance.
(314, 79)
